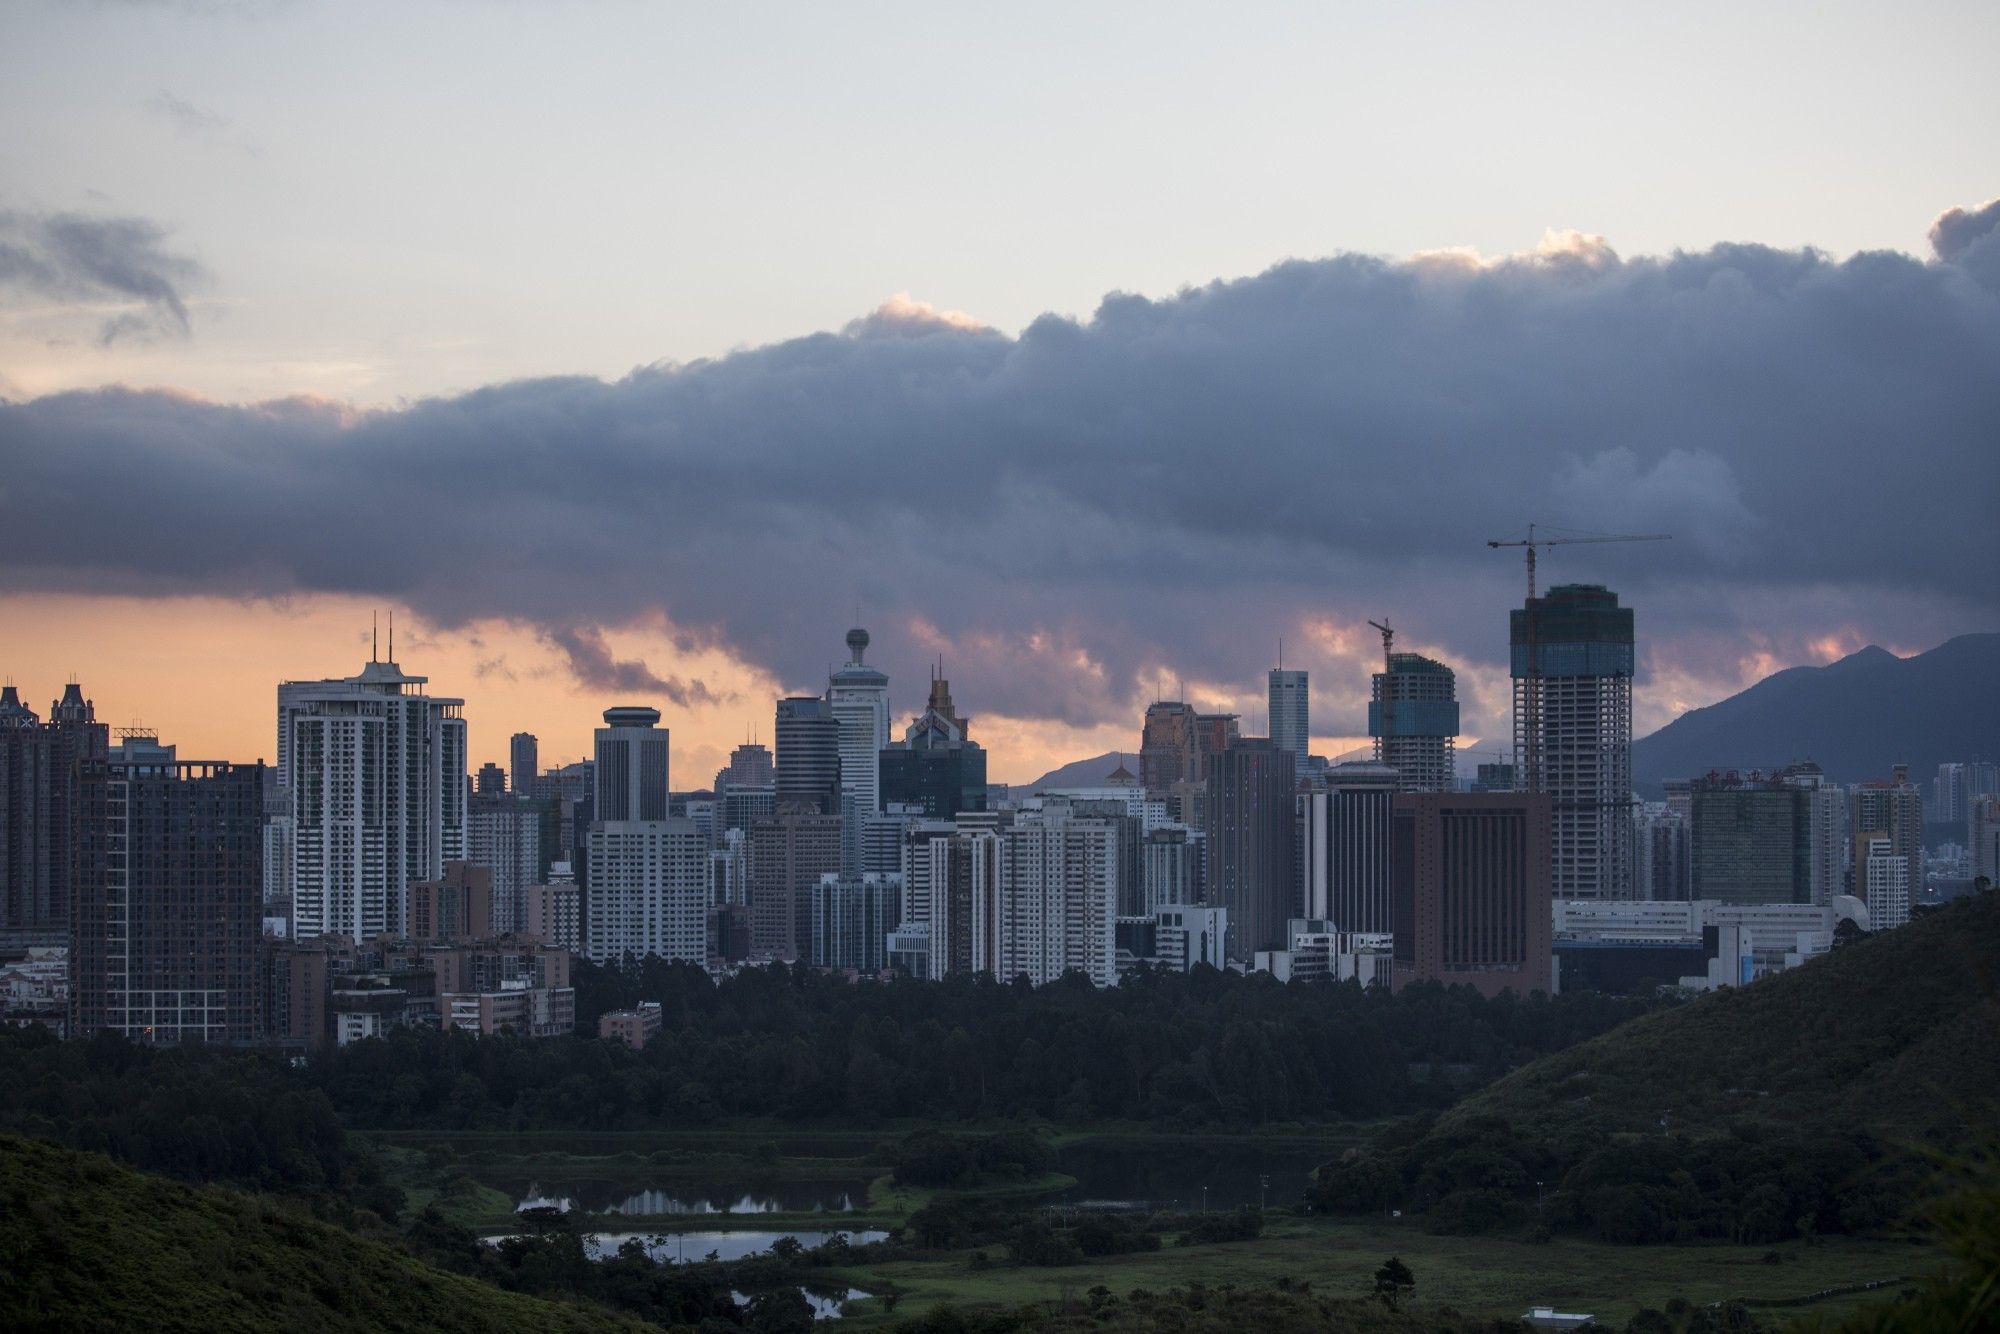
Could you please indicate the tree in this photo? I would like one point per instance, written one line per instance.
(1393, 1282)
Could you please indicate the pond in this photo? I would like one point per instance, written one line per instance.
(682, 1198)
(825, 1305)
(683, 1246)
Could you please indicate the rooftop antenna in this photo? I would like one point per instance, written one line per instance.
(374, 636)
(392, 634)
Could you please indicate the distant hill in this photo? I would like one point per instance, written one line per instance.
(92, 1245)
(1854, 717)
(1895, 1034)
(1083, 773)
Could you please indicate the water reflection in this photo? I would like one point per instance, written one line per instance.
(684, 1201)
(677, 1247)
(825, 1306)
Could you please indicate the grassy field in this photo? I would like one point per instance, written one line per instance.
(1476, 1275)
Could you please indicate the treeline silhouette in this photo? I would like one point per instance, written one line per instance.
(1199, 1048)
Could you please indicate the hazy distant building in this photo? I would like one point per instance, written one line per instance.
(1213, 734)
(1346, 848)
(859, 697)
(749, 765)
(1578, 643)
(1751, 839)
(167, 923)
(1662, 854)
(808, 760)
(1983, 832)
(458, 905)
(1170, 867)
(376, 772)
(523, 763)
(490, 781)
(631, 768)
(1892, 810)
(1291, 714)
(1251, 854)
(1413, 717)
(42, 766)
(1471, 890)
(785, 856)
(1169, 747)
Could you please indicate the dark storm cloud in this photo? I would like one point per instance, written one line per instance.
(591, 662)
(1167, 486)
(71, 258)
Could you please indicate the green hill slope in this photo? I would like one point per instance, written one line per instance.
(87, 1244)
(1898, 1034)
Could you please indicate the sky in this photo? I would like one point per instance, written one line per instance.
(623, 351)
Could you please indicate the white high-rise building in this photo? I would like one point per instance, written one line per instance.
(649, 890)
(859, 697)
(1055, 904)
(1291, 713)
(376, 772)
(1888, 887)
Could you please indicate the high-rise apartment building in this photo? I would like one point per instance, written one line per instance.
(1983, 834)
(1057, 905)
(961, 902)
(555, 916)
(632, 766)
(852, 916)
(1572, 664)
(375, 769)
(490, 781)
(1413, 717)
(808, 760)
(1346, 848)
(1892, 810)
(504, 835)
(523, 763)
(1951, 794)
(1472, 876)
(648, 893)
(1170, 867)
(167, 914)
(1291, 714)
(1885, 878)
(859, 697)
(784, 857)
(1661, 854)
(1252, 868)
(42, 768)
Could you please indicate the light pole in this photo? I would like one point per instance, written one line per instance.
(1538, 1201)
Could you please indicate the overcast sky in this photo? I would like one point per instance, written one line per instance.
(1092, 347)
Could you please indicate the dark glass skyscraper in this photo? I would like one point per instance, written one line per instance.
(808, 761)
(167, 920)
(1251, 823)
(42, 818)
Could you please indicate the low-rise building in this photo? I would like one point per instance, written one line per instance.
(634, 1027)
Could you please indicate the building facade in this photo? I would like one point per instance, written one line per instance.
(859, 697)
(629, 779)
(785, 856)
(852, 916)
(1291, 714)
(1472, 903)
(375, 769)
(1413, 717)
(648, 891)
(1252, 870)
(1346, 848)
(1572, 665)
(42, 769)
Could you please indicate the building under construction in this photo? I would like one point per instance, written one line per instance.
(1413, 717)
(1572, 668)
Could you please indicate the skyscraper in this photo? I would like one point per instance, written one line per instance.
(1471, 890)
(1169, 748)
(1751, 840)
(1057, 898)
(1413, 716)
(1892, 811)
(504, 835)
(1885, 881)
(808, 761)
(376, 772)
(632, 765)
(523, 763)
(1252, 868)
(859, 697)
(785, 857)
(490, 781)
(167, 923)
(1347, 848)
(938, 767)
(1291, 714)
(852, 916)
(649, 890)
(1573, 736)
(42, 767)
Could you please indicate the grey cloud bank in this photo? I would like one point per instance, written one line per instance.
(73, 257)
(1165, 488)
